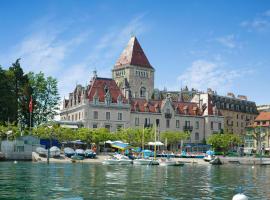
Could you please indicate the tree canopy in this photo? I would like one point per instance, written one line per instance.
(223, 141)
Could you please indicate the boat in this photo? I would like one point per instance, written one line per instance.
(79, 152)
(145, 161)
(69, 152)
(215, 161)
(76, 157)
(54, 152)
(90, 153)
(117, 159)
(169, 162)
(208, 158)
(41, 151)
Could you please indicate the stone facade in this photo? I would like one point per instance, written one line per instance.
(126, 101)
(238, 112)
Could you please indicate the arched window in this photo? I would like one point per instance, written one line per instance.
(142, 92)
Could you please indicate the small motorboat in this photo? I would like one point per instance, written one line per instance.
(90, 153)
(54, 152)
(169, 162)
(69, 152)
(79, 152)
(41, 151)
(215, 161)
(118, 159)
(145, 161)
(208, 158)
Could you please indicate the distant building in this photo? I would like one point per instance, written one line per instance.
(259, 132)
(129, 100)
(263, 108)
(238, 112)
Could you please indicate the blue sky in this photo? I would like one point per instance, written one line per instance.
(219, 44)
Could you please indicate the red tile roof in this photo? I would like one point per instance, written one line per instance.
(133, 54)
(153, 106)
(263, 116)
(98, 87)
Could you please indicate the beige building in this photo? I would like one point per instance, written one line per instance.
(125, 101)
(238, 112)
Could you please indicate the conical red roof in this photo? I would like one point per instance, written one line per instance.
(133, 55)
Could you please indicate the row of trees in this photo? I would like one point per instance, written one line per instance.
(16, 89)
(135, 137)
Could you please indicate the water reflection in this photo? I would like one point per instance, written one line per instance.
(27, 180)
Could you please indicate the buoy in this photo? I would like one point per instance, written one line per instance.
(15, 162)
(240, 196)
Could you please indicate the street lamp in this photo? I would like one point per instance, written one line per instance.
(8, 133)
(48, 156)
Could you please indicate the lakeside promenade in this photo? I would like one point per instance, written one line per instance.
(101, 158)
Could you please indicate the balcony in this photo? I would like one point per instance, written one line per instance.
(187, 128)
(168, 115)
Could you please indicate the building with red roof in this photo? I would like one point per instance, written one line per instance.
(127, 100)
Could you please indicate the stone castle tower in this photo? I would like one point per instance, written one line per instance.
(133, 73)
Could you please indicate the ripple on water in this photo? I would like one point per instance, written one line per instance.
(27, 180)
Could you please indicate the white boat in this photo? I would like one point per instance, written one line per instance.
(169, 162)
(145, 161)
(54, 151)
(41, 151)
(79, 152)
(208, 158)
(117, 160)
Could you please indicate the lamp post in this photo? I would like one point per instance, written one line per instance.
(48, 156)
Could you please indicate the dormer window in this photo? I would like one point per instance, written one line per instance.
(106, 89)
(119, 99)
(108, 98)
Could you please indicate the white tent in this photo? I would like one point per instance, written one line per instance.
(157, 143)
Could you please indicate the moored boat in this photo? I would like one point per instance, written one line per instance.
(90, 153)
(80, 152)
(41, 151)
(118, 160)
(69, 152)
(54, 152)
(169, 162)
(208, 158)
(145, 161)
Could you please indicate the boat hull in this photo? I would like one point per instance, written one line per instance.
(145, 162)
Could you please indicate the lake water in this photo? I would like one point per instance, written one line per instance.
(27, 180)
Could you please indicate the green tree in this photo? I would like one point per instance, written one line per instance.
(174, 137)
(223, 142)
(45, 97)
(15, 91)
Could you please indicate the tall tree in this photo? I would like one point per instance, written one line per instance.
(45, 97)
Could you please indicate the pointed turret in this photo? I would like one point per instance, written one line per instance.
(133, 54)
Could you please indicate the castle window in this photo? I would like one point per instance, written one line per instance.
(137, 121)
(177, 123)
(142, 92)
(95, 114)
(108, 115)
(197, 137)
(120, 116)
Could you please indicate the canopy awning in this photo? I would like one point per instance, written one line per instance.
(157, 143)
(120, 145)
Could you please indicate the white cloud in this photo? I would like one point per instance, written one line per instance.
(259, 23)
(227, 41)
(203, 74)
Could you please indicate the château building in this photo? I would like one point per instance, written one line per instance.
(129, 99)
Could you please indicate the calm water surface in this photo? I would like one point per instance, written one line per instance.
(26, 180)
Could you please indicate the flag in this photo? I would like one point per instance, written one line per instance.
(31, 105)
